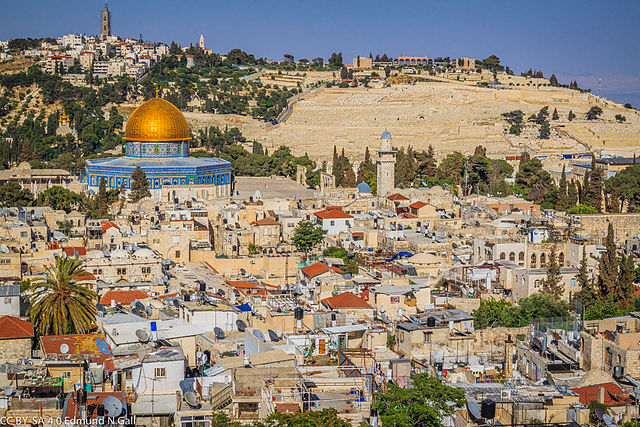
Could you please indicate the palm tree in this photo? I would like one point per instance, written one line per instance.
(59, 304)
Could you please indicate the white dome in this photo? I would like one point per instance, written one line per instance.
(424, 258)
(143, 253)
(119, 253)
(95, 254)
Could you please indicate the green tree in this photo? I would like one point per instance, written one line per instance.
(306, 236)
(365, 166)
(139, 185)
(545, 130)
(57, 197)
(571, 116)
(593, 113)
(60, 304)
(608, 268)
(587, 294)
(13, 195)
(426, 403)
(553, 80)
(101, 199)
(562, 202)
(593, 193)
(620, 118)
(572, 195)
(26, 152)
(555, 115)
(626, 276)
(552, 283)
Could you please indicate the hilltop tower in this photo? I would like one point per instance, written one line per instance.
(105, 22)
(201, 42)
(386, 163)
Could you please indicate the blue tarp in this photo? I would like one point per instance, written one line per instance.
(398, 255)
(244, 307)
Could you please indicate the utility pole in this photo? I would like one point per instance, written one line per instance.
(599, 84)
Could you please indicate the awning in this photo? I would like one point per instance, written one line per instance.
(157, 404)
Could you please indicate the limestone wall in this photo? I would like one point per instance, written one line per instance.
(15, 349)
(624, 225)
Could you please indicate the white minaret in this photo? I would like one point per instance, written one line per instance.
(201, 42)
(385, 166)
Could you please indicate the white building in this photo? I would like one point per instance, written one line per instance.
(333, 221)
(10, 300)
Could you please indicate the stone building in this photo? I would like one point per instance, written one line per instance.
(385, 180)
(15, 338)
(105, 22)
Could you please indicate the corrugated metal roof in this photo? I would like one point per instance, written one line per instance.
(345, 329)
(155, 405)
(9, 290)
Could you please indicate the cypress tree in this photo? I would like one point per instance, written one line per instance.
(593, 195)
(587, 294)
(555, 115)
(572, 195)
(571, 116)
(562, 202)
(102, 206)
(585, 188)
(552, 283)
(608, 268)
(553, 80)
(365, 166)
(139, 185)
(626, 277)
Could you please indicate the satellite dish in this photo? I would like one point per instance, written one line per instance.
(64, 348)
(112, 407)
(221, 292)
(176, 303)
(100, 308)
(149, 310)
(385, 318)
(8, 390)
(143, 335)
(219, 333)
(139, 306)
(273, 336)
(241, 325)
(298, 290)
(258, 334)
(382, 309)
(192, 399)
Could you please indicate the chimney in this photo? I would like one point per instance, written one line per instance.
(601, 395)
(508, 357)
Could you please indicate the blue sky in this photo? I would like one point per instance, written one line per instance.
(583, 40)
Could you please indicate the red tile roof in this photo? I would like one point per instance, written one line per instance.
(71, 251)
(358, 234)
(345, 300)
(175, 294)
(332, 214)
(613, 395)
(108, 224)
(417, 205)
(12, 327)
(86, 276)
(123, 297)
(315, 269)
(267, 221)
(397, 196)
(244, 285)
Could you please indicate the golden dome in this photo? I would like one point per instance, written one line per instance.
(156, 120)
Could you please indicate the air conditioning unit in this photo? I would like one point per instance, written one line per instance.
(505, 394)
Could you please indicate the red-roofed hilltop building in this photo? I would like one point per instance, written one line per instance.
(333, 221)
(15, 338)
(422, 210)
(319, 269)
(122, 297)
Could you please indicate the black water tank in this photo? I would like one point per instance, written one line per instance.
(203, 287)
(100, 410)
(298, 313)
(618, 371)
(187, 297)
(431, 322)
(81, 396)
(438, 366)
(488, 409)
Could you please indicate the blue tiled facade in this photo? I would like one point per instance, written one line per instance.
(164, 163)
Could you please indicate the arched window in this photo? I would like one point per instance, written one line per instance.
(561, 259)
(503, 255)
(521, 257)
(533, 260)
(512, 256)
(543, 260)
